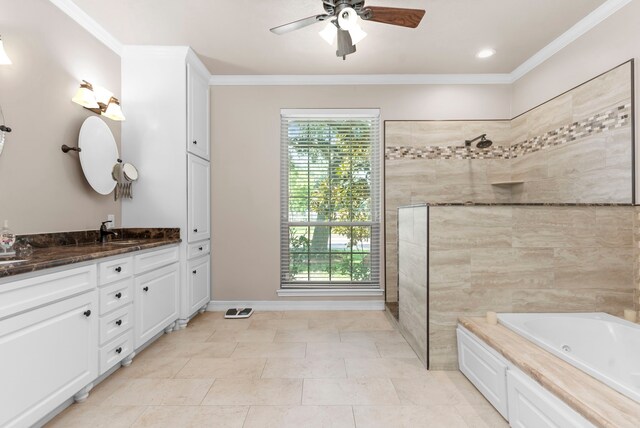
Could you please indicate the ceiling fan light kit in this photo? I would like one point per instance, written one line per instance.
(343, 23)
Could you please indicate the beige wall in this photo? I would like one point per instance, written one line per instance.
(42, 189)
(245, 126)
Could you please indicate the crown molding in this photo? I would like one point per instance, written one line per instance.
(360, 79)
(88, 23)
(600, 14)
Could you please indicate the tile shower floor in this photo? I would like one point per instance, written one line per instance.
(282, 369)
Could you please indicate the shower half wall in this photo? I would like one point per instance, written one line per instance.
(465, 260)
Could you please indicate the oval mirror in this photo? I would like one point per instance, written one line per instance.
(98, 155)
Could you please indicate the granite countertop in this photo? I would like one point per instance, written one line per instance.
(595, 401)
(59, 249)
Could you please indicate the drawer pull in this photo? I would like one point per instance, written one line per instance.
(194, 272)
(195, 230)
(119, 269)
(87, 313)
(200, 248)
(119, 323)
(145, 289)
(118, 295)
(195, 142)
(119, 350)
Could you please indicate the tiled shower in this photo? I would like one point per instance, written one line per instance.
(540, 221)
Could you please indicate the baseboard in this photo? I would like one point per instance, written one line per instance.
(298, 305)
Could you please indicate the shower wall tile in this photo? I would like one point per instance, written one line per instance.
(412, 277)
(607, 90)
(560, 259)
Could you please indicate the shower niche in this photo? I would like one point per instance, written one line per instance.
(575, 149)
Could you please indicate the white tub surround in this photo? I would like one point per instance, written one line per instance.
(601, 345)
(559, 389)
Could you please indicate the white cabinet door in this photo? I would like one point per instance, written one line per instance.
(487, 372)
(532, 406)
(156, 302)
(198, 199)
(197, 113)
(199, 282)
(46, 356)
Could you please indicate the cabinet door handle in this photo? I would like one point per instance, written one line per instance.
(195, 230)
(118, 295)
(195, 272)
(119, 350)
(119, 269)
(195, 142)
(87, 313)
(119, 323)
(200, 248)
(145, 289)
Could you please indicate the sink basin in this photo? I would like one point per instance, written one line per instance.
(127, 242)
(9, 262)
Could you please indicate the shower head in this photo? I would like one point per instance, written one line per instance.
(482, 144)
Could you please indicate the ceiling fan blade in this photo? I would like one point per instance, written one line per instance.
(296, 25)
(395, 16)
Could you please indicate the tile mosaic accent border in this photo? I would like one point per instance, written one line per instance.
(618, 117)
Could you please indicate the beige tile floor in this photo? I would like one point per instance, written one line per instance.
(282, 369)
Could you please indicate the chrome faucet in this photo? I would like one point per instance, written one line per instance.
(104, 232)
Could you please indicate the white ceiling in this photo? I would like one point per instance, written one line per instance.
(232, 37)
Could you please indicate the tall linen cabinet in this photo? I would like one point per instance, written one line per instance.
(165, 98)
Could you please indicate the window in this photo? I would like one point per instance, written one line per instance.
(330, 202)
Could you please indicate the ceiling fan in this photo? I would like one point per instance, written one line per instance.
(342, 17)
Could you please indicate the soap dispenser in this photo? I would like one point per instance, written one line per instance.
(7, 239)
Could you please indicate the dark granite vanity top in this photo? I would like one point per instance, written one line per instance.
(59, 249)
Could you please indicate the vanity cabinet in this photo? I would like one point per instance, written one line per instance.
(47, 354)
(171, 148)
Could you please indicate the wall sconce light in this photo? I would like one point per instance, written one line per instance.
(4, 58)
(99, 101)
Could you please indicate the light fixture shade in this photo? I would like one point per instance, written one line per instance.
(347, 18)
(4, 58)
(113, 111)
(357, 34)
(329, 33)
(85, 96)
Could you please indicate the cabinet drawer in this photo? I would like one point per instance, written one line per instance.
(484, 370)
(116, 295)
(46, 356)
(115, 270)
(115, 351)
(27, 294)
(198, 249)
(155, 259)
(113, 325)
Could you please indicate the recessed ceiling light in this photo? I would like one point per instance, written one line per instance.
(486, 53)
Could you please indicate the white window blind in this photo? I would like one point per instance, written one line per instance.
(330, 199)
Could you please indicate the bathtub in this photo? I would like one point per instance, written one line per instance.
(601, 345)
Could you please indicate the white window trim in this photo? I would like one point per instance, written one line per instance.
(331, 291)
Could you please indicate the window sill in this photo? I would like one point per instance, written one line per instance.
(328, 292)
